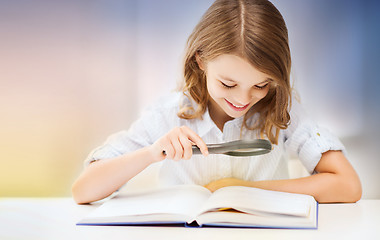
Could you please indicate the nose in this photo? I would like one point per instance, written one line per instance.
(244, 97)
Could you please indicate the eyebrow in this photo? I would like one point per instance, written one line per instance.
(233, 81)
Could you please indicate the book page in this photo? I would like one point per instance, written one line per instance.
(254, 200)
(180, 200)
(239, 219)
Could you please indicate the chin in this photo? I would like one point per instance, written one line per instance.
(234, 114)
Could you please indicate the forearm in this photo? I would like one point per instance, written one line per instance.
(101, 178)
(336, 181)
(325, 187)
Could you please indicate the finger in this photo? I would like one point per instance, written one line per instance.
(169, 150)
(178, 149)
(196, 139)
(187, 147)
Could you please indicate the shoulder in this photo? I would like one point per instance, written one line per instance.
(170, 101)
(165, 108)
(158, 118)
(298, 113)
(300, 123)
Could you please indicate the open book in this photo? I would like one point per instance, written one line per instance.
(192, 205)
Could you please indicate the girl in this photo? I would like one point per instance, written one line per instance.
(236, 86)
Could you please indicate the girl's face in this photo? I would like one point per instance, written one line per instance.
(234, 86)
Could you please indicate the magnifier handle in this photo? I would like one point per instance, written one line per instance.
(196, 150)
(212, 149)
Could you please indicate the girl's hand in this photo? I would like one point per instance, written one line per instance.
(225, 182)
(177, 144)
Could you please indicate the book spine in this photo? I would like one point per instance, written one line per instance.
(193, 224)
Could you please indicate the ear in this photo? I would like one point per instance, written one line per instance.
(199, 61)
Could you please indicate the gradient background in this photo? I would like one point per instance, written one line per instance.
(73, 72)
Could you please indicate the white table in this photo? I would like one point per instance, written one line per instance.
(55, 218)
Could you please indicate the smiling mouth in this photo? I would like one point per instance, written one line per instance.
(237, 107)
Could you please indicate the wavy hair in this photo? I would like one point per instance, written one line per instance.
(255, 31)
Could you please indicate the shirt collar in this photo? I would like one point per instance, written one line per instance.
(207, 124)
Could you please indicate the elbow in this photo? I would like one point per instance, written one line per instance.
(82, 193)
(344, 190)
(355, 189)
(352, 190)
(77, 194)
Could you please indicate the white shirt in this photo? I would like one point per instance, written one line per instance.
(303, 137)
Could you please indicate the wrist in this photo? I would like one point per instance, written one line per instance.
(153, 154)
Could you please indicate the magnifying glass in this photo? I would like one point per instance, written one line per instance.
(239, 148)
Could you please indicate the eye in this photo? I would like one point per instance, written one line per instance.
(261, 87)
(227, 86)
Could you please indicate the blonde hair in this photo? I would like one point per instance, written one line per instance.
(256, 31)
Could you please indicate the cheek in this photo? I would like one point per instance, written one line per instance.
(216, 91)
(261, 94)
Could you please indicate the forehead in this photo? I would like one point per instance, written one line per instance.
(235, 68)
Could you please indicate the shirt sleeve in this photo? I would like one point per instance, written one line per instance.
(305, 139)
(143, 132)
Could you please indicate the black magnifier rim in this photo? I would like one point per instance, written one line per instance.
(259, 147)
